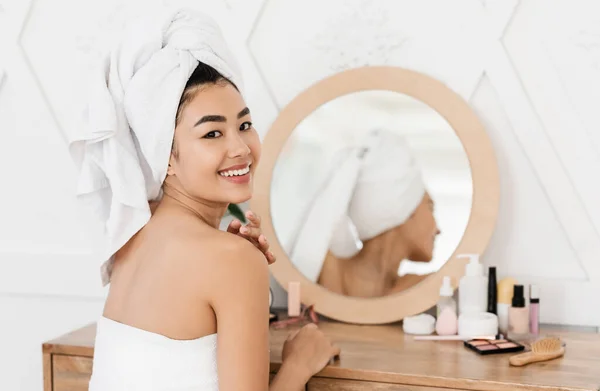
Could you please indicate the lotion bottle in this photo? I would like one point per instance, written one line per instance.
(472, 289)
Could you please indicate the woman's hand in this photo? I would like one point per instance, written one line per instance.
(252, 233)
(308, 350)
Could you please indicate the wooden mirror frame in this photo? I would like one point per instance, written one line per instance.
(484, 172)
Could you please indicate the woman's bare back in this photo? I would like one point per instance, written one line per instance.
(161, 277)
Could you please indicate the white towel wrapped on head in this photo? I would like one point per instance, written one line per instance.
(371, 188)
(122, 152)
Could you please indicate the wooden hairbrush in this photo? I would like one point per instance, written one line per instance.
(541, 350)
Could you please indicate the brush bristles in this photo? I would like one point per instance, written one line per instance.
(546, 345)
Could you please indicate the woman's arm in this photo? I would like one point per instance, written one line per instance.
(240, 300)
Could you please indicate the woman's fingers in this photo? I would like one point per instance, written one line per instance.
(234, 226)
(270, 257)
(251, 232)
(253, 219)
(259, 240)
(263, 243)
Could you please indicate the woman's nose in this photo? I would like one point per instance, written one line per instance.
(238, 147)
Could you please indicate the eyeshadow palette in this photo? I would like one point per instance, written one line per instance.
(494, 346)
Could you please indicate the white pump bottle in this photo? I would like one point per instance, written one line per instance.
(472, 288)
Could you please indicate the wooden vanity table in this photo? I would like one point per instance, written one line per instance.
(380, 358)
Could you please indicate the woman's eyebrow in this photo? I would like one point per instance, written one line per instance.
(220, 118)
(243, 113)
(211, 118)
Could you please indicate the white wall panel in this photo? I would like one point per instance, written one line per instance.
(529, 68)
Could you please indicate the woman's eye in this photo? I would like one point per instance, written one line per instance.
(246, 126)
(213, 134)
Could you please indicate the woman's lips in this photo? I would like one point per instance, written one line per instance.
(239, 179)
(239, 174)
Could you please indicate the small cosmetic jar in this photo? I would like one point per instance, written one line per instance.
(423, 324)
(477, 324)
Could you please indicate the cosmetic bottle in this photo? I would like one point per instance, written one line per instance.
(504, 296)
(518, 314)
(534, 310)
(294, 299)
(492, 301)
(447, 320)
(472, 289)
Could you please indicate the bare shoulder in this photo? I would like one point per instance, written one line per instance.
(220, 247)
(236, 261)
(220, 260)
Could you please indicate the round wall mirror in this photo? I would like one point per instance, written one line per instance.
(372, 181)
(373, 225)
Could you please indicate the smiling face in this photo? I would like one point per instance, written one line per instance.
(215, 149)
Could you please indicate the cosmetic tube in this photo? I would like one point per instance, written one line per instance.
(294, 299)
(534, 310)
(492, 304)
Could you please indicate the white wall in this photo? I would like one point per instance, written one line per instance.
(530, 69)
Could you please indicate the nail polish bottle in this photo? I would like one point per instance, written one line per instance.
(518, 314)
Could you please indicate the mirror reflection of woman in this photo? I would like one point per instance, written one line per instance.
(371, 213)
(373, 272)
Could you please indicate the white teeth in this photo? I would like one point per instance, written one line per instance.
(229, 173)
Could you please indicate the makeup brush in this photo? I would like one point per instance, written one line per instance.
(541, 350)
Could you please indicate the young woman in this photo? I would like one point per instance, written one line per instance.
(187, 307)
